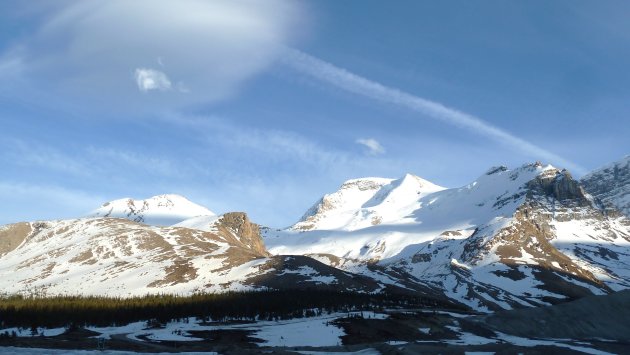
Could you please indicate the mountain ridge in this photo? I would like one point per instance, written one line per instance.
(513, 233)
(162, 210)
(512, 238)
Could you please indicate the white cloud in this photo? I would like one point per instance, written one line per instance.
(150, 79)
(285, 148)
(86, 49)
(348, 81)
(374, 147)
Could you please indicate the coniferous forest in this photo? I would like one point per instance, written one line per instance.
(67, 311)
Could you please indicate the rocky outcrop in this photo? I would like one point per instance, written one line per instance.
(243, 231)
(611, 185)
(12, 235)
(528, 240)
(558, 185)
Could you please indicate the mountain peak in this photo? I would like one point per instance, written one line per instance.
(161, 210)
(364, 184)
(366, 201)
(610, 184)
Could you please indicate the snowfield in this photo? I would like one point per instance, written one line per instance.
(161, 210)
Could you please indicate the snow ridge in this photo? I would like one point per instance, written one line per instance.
(160, 210)
(492, 244)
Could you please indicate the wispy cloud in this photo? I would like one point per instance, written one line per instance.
(374, 147)
(75, 51)
(274, 146)
(151, 79)
(93, 161)
(356, 84)
(112, 159)
(33, 154)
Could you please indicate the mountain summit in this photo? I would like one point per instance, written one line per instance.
(160, 210)
(528, 236)
(512, 238)
(611, 185)
(360, 203)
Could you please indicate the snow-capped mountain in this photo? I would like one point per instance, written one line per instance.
(360, 203)
(511, 238)
(611, 185)
(118, 257)
(161, 210)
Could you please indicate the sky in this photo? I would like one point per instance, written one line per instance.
(265, 106)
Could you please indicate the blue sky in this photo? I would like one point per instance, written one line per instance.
(264, 106)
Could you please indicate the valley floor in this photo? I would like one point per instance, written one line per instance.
(366, 333)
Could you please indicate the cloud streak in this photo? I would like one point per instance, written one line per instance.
(356, 84)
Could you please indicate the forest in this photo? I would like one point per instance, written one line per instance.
(71, 311)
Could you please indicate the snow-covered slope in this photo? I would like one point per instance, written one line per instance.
(510, 238)
(418, 217)
(611, 184)
(361, 203)
(161, 210)
(118, 257)
(518, 237)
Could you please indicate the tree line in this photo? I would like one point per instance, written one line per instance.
(80, 311)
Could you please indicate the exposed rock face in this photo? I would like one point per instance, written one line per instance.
(529, 236)
(531, 239)
(611, 185)
(12, 235)
(238, 226)
(559, 185)
(119, 257)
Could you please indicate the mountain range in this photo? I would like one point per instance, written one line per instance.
(512, 238)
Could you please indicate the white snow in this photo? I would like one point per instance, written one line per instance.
(409, 211)
(465, 338)
(107, 332)
(204, 223)
(313, 331)
(161, 210)
(512, 339)
(309, 332)
(599, 247)
(406, 223)
(396, 342)
(424, 229)
(365, 202)
(114, 257)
